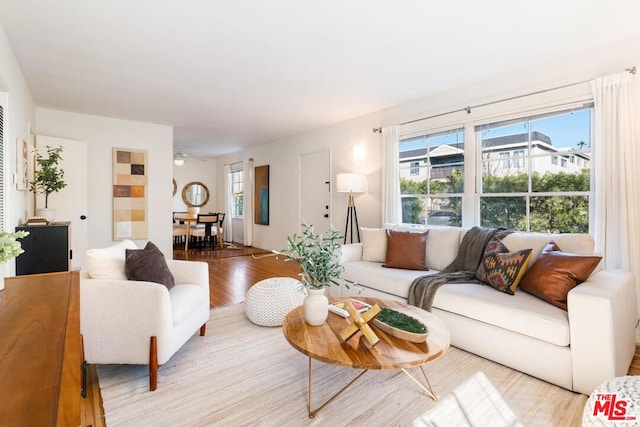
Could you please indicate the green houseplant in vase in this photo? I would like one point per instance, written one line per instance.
(319, 258)
(48, 178)
(10, 247)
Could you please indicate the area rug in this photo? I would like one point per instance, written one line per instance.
(242, 374)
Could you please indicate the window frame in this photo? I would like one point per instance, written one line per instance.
(235, 195)
(433, 198)
(515, 109)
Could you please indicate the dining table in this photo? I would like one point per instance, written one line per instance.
(188, 219)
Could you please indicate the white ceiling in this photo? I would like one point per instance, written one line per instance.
(229, 74)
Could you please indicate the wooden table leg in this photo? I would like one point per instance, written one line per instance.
(219, 232)
(186, 242)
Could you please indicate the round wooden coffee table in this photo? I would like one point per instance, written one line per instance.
(323, 343)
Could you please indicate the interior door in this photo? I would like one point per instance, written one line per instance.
(70, 203)
(315, 190)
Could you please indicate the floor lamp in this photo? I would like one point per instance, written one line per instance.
(351, 183)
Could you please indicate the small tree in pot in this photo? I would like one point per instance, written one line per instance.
(48, 177)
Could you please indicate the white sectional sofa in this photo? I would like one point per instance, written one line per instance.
(578, 349)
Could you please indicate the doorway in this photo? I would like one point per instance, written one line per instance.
(315, 190)
(70, 203)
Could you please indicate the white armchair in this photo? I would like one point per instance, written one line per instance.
(134, 322)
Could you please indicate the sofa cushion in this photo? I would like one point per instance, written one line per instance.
(502, 269)
(406, 250)
(442, 246)
(575, 243)
(522, 313)
(148, 265)
(519, 240)
(374, 244)
(108, 263)
(393, 281)
(555, 273)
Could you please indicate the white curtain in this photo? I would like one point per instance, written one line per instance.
(247, 199)
(391, 203)
(227, 228)
(617, 174)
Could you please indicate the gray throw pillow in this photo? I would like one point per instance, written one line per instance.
(148, 265)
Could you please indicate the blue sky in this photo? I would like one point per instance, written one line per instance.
(565, 130)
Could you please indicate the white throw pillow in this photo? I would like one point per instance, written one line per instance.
(108, 263)
(374, 244)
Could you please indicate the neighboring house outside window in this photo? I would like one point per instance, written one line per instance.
(415, 168)
(534, 174)
(437, 186)
(537, 195)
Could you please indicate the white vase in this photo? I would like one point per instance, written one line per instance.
(316, 307)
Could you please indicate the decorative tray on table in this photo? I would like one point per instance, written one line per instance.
(401, 325)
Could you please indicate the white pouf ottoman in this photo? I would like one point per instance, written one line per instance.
(269, 301)
(614, 403)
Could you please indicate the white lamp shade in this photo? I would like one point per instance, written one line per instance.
(351, 183)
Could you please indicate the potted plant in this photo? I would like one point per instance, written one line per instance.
(48, 178)
(319, 258)
(10, 247)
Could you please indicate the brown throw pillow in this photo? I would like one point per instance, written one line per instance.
(501, 269)
(406, 250)
(148, 265)
(555, 273)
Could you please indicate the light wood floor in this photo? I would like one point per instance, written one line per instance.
(231, 273)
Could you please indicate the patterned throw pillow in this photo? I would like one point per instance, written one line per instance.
(502, 269)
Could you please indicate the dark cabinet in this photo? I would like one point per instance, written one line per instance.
(46, 249)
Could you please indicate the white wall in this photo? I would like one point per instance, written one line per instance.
(282, 155)
(282, 158)
(102, 134)
(203, 171)
(19, 117)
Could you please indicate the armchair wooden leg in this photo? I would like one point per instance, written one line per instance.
(203, 329)
(153, 364)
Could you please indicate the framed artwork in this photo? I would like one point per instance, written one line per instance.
(22, 164)
(261, 195)
(129, 194)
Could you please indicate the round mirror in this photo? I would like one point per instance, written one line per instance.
(195, 194)
(175, 187)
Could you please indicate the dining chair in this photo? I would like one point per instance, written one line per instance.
(179, 231)
(204, 234)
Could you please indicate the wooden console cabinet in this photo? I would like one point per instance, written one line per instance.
(46, 249)
(40, 350)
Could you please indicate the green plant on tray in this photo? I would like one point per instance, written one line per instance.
(401, 321)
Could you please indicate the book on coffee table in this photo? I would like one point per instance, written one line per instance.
(340, 307)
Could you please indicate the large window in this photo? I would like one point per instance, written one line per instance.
(545, 186)
(237, 191)
(531, 174)
(432, 178)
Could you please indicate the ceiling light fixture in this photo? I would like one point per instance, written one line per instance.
(178, 161)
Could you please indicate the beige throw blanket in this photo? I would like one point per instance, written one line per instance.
(461, 270)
